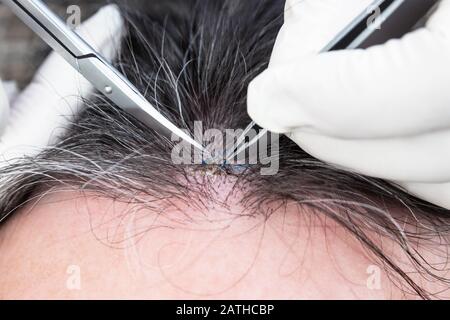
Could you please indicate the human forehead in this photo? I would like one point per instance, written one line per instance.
(118, 252)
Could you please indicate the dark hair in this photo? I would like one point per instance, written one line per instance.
(193, 60)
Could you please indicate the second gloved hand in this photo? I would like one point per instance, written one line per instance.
(41, 113)
(383, 112)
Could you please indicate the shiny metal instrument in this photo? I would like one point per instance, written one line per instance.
(90, 64)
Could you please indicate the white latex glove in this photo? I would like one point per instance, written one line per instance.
(383, 112)
(42, 112)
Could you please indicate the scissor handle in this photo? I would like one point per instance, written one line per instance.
(46, 24)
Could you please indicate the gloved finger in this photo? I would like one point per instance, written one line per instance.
(309, 25)
(42, 112)
(439, 22)
(4, 108)
(419, 159)
(436, 193)
(104, 31)
(397, 89)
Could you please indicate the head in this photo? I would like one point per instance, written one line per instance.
(109, 202)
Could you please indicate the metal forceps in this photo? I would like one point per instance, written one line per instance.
(89, 63)
(397, 18)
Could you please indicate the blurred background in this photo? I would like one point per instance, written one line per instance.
(21, 52)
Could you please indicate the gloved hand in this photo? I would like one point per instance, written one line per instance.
(45, 108)
(383, 112)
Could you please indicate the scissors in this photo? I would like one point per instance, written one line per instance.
(395, 18)
(92, 66)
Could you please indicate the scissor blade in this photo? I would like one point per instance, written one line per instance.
(119, 90)
(160, 124)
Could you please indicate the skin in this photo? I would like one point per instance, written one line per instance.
(111, 248)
